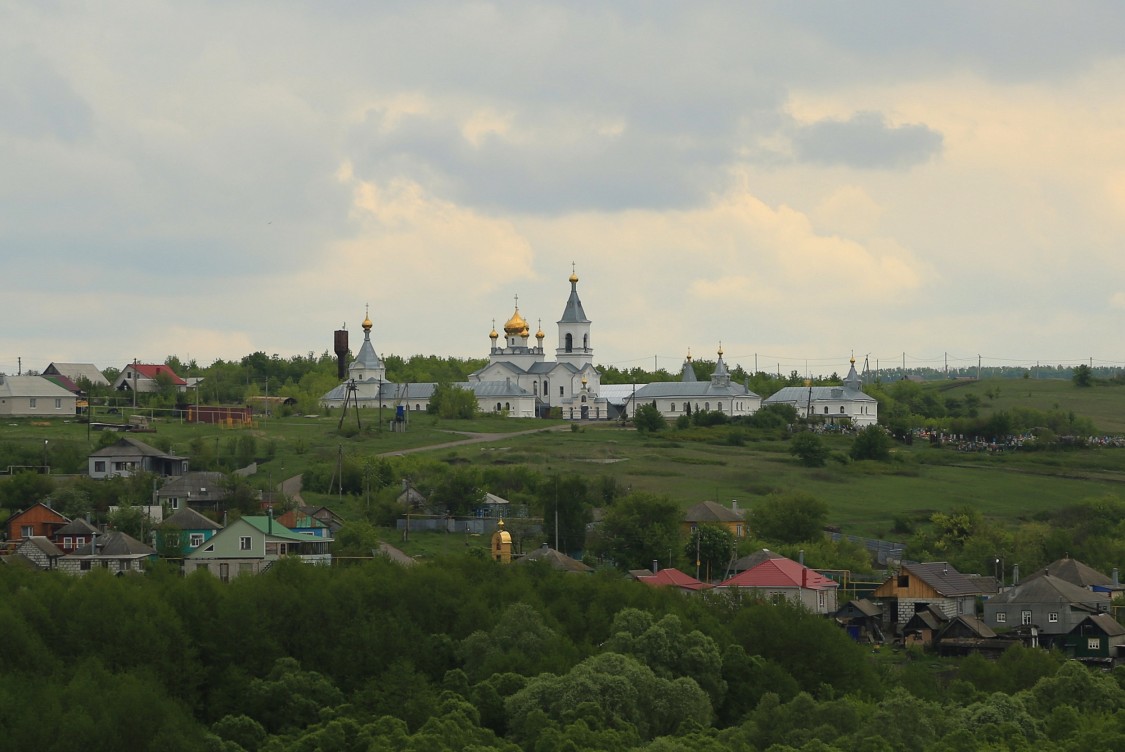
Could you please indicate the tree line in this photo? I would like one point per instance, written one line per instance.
(467, 654)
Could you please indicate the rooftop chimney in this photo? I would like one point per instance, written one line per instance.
(655, 566)
(1116, 582)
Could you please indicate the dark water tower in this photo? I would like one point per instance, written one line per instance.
(341, 347)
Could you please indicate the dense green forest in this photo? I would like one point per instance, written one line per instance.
(466, 654)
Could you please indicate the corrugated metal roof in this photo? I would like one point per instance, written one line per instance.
(31, 386)
(781, 572)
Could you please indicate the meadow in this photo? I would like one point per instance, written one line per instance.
(722, 463)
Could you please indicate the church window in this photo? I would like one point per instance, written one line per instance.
(583, 398)
(497, 407)
(570, 343)
(720, 407)
(826, 409)
(585, 341)
(535, 388)
(561, 393)
(672, 407)
(687, 408)
(706, 405)
(507, 406)
(841, 409)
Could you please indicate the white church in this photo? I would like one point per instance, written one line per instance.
(518, 381)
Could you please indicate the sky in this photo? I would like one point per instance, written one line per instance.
(926, 183)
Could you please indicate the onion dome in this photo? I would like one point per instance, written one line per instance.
(573, 277)
(366, 321)
(539, 335)
(493, 335)
(516, 326)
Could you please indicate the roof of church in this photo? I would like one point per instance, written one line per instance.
(800, 394)
(573, 313)
(366, 357)
(687, 373)
(691, 389)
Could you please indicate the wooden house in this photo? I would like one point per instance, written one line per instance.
(861, 618)
(917, 586)
(963, 635)
(184, 531)
(921, 628)
(74, 535)
(1098, 639)
(37, 520)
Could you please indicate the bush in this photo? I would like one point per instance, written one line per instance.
(809, 449)
(872, 443)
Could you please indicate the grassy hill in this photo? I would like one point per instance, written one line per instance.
(864, 498)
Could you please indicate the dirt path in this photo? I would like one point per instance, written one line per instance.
(471, 438)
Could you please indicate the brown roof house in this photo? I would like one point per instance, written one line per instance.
(199, 489)
(917, 586)
(710, 513)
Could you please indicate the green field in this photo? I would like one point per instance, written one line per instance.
(864, 498)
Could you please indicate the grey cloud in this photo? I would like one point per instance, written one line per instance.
(36, 102)
(866, 141)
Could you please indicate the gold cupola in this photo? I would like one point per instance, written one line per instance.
(493, 335)
(366, 320)
(517, 325)
(539, 335)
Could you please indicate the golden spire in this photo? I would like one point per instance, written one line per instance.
(720, 348)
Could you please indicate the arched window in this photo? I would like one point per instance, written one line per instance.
(583, 398)
(507, 406)
(535, 388)
(585, 341)
(686, 407)
(826, 409)
(720, 406)
(417, 407)
(569, 343)
(497, 407)
(706, 405)
(671, 407)
(841, 409)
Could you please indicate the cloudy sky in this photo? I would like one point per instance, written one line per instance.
(796, 180)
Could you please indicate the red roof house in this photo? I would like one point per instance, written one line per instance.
(37, 520)
(674, 578)
(777, 578)
(142, 377)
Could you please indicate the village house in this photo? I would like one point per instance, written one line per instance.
(35, 397)
(250, 545)
(1051, 604)
(74, 535)
(37, 520)
(710, 513)
(116, 552)
(916, 586)
(777, 578)
(147, 377)
(200, 490)
(128, 456)
(184, 531)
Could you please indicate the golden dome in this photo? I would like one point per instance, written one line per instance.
(366, 320)
(493, 335)
(573, 277)
(539, 334)
(720, 349)
(689, 355)
(516, 325)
